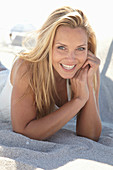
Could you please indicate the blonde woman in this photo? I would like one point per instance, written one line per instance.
(58, 79)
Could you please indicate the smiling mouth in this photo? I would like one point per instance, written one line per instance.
(68, 67)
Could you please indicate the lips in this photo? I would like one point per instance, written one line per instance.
(68, 67)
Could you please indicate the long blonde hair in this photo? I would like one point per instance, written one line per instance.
(41, 70)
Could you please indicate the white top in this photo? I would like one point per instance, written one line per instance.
(68, 93)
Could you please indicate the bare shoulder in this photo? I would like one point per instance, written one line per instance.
(22, 101)
(19, 69)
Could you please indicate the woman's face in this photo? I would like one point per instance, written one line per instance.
(69, 51)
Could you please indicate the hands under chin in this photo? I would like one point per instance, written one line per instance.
(93, 62)
(83, 80)
(79, 84)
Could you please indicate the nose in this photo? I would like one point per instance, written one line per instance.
(71, 56)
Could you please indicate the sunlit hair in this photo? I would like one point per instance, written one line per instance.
(39, 58)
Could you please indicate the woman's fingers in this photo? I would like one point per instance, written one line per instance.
(82, 74)
(92, 60)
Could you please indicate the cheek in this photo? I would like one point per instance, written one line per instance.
(56, 56)
(83, 57)
(53, 55)
(55, 59)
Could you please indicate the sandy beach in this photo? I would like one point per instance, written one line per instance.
(64, 150)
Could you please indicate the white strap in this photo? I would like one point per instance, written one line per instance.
(68, 90)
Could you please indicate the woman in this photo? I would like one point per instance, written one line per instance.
(64, 54)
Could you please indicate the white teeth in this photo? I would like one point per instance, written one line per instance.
(68, 67)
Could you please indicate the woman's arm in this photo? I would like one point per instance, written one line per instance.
(23, 112)
(88, 119)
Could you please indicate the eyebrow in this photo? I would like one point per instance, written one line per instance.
(61, 44)
(85, 44)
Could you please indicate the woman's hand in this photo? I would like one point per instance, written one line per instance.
(88, 119)
(93, 63)
(79, 84)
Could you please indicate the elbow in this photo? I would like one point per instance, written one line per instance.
(18, 130)
(29, 134)
(95, 135)
(92, 137)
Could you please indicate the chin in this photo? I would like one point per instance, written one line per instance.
(67, 76)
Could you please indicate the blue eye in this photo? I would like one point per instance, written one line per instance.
(81, 49)
(61, 47)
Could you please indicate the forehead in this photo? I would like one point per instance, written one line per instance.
(67, 34)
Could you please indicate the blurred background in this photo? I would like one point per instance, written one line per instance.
(17, 17)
